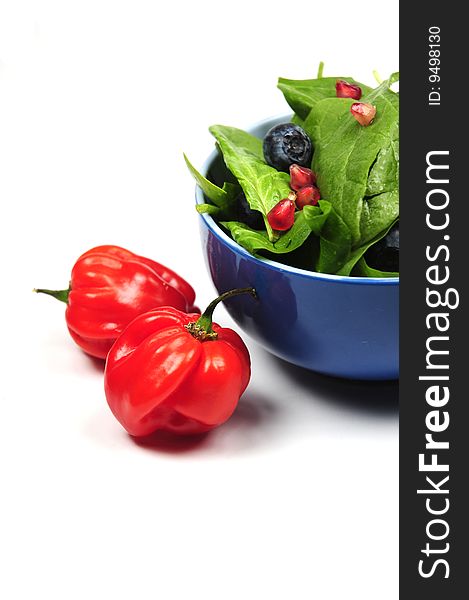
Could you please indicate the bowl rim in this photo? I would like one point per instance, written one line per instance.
(276, 266)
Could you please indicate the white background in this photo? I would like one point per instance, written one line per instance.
(296, 497)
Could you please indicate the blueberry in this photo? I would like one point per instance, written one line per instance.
(245, 214)
(287, 144)
(384, 255)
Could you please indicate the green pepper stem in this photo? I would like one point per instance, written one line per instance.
(61, 295)
(202, 328)
(376, 75)
(320, 70)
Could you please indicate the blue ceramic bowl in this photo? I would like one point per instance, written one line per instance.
(341, 326)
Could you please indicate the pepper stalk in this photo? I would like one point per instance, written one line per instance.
(61, 295)
(202, 329)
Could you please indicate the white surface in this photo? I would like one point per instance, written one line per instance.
(296, 497)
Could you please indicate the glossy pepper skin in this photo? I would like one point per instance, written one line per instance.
(175, 372)
(109, 287)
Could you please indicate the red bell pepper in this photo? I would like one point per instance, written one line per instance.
(109, 287)
(176, 372)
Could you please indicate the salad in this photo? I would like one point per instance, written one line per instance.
(320, 192)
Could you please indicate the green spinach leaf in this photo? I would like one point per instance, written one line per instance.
(335, 244)
(303, 95)
(209, 209)
(316, 216)
(263, 185)
(311, 218)
(356, 254)
(222, 198)
(297, 120)
(354, 161)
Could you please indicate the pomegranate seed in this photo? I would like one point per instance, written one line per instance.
(363, 112)
(282, 216)
(301, 176)
(307, 196)
(343, 89)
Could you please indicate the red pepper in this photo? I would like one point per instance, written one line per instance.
(109, 287)
(176, 372)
